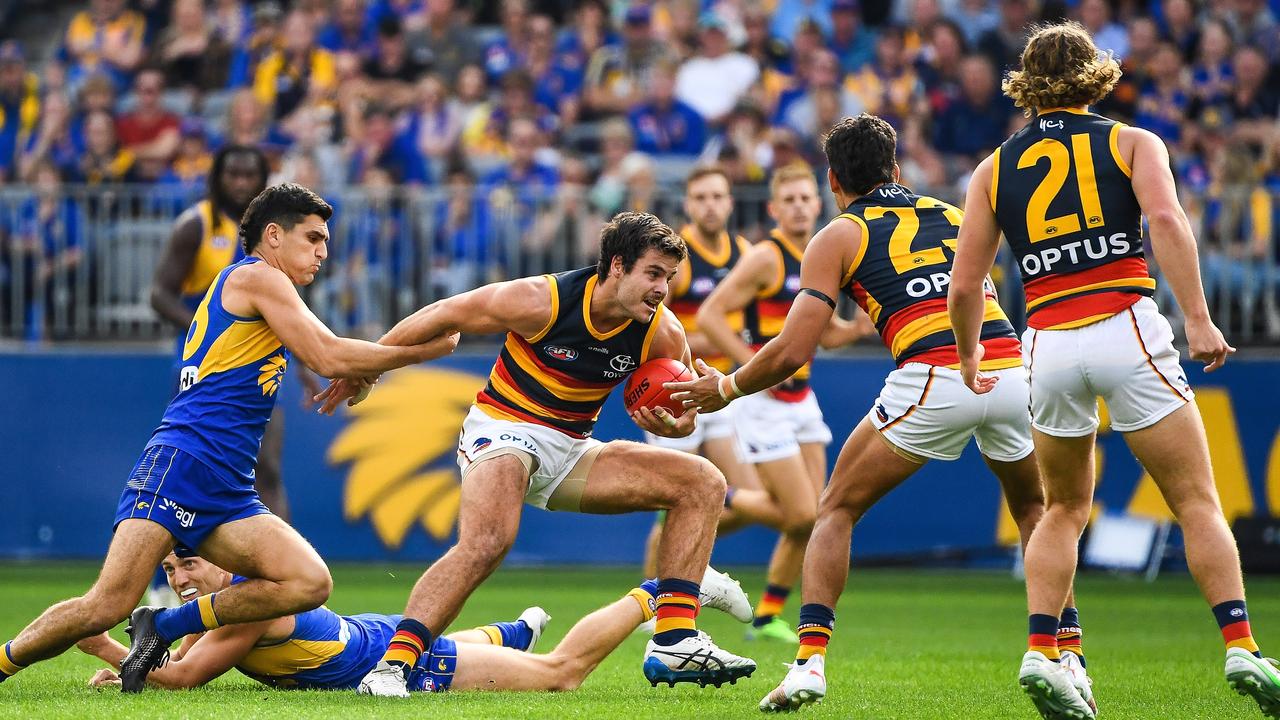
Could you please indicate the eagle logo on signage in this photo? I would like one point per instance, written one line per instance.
(400, 446)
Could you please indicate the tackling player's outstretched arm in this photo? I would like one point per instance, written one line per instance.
(209, 656)
(259, 289)
(1173, 243)
(976, 247)
(175, 262)
(827, 256)
(669, 341)
(745, 281)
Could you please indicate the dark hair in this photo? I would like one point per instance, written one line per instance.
(860, 151)
(220, 199)
(629, 235)
(707, 170)
(286, 205)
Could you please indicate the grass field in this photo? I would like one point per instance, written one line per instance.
(908, 645)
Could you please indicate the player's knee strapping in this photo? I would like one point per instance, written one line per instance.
(817, 622)
(677, 608)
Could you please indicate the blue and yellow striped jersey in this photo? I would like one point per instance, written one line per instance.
(219, 247)
(232, 367)
(325, 651)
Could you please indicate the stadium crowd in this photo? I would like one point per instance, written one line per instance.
(545, 118)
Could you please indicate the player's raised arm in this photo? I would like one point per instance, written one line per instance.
(175, 261)
(976, 247)
(212, 654)
(264, 291)
(1174, 244)
(735, 292)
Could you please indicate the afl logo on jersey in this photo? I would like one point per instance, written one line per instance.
(561, 353)
(221, 242)
(792, 284)
(702, 286)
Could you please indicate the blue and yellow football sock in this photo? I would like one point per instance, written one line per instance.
(8, 667)
(514, 634)
(1070, 635)
(646, 595)
(411, 640)
(770, 605)
(1233, 620)
(187, 619)
(1042, 635)
(817, 622)
(676, 610)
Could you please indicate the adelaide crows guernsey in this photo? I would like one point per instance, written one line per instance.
(766, 314)
(707, 267)
(232, 367)
(901, 275)
(561, 376)
(1063, 196)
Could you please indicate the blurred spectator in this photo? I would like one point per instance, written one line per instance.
(375, 144)
(45, 248)
(665, 125)
(617, 75)
(51, 142)
(394, 69)
(677, 27)
(486, 129)
(616, 143)
(788, 14)
(587, 32)
(509, 51)
(1211, 73)
(914, 19)
(295, 73)
(748, 132)
(970, 128)
(461, 250)
(19, 105)
(436, 122)
(445, 41)
(108, 38)
(522, 177)
(149, 132)
(713, 80)
(1250, 107)
(1108, 35)
(247, 121)
(1144, 40)
(1253, 23)
(640, 180)
(190, 167)
(350, 30)
(263, 40)
(852, 43)
(801, 113)
(1237, 233)
(231, 21)
(1179, 26)
(771, 53)
(567, 231)
(975, 18)
(939, 64)
(554, 88)
(782, 89)
(190, 54)
(470, 91)
(1163, 100)
(889, 87)
(412, 14)
(103, 160)
(1004, 43)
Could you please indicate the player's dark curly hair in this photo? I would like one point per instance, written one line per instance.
(286, 205)
(860, 151)
(629, 235)
(216, 193)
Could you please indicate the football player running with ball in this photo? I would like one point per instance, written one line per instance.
(1062, 191)
(889, 251)
(570, 338)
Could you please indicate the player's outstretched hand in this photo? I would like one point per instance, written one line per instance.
(1206, 344)
(973, 378)
(660, 422)
(353, 390)
(106, 677)
(701, 393)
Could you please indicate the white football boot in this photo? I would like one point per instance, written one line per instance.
(802, 685)
(1079, 678)
(725, 594)
(536, 618)
(1255, 677)
(694, 659)
(1052, 689)
(384, 680)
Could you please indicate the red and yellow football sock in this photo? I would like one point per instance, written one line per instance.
(1043, 636)
(817, 622)
(1070, 635)
(1233, 620)
(411, 640)
(677, 607)
(8, 667)
(771, 604)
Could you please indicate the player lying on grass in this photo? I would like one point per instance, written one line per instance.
(319, 649)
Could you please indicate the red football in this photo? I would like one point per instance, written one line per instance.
(644, 387)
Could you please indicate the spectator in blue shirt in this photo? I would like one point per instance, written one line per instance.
(663, 125)
(377, 144)
(350, 31)
(790, 13)
(852, 43)
(1163, 99)
(514, 192)
(510, 50)
(978, 121)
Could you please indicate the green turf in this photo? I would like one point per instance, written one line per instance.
(908, 645)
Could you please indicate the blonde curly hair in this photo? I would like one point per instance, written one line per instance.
(1061, 67)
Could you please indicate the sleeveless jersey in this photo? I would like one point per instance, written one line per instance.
(901, 275)
(325, 651)
(706, 269)
(561, 376)
(1063, 196)
(232, 367)
(219, 247)
(767, 313)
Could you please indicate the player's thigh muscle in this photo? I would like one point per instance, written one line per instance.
(629, 476)
(262, 546)
(488, 667)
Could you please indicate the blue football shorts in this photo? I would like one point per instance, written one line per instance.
(434, 671)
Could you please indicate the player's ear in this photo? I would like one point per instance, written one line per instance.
(897, 172)
(832, 182)
(615, 267)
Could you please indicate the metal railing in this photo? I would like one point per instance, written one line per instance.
(76, 263)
